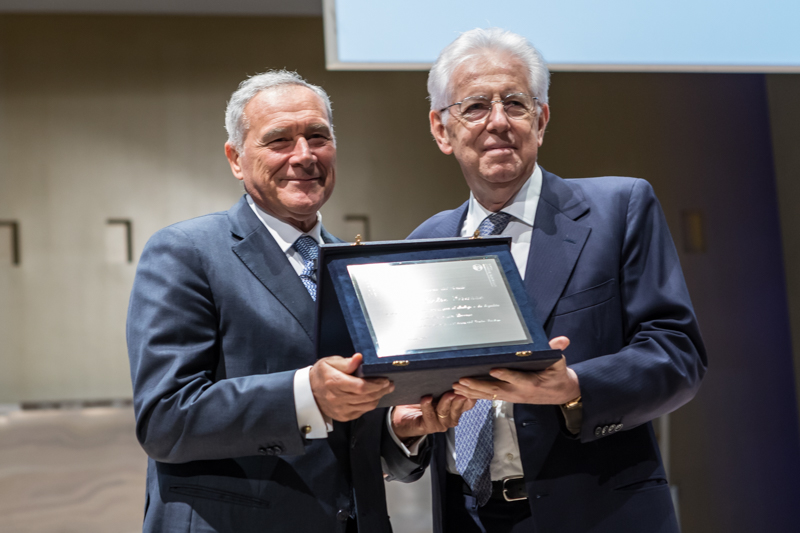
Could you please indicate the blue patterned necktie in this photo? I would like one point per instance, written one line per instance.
(309, 249)
(475, 429)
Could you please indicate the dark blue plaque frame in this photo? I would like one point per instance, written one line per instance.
(342, 328)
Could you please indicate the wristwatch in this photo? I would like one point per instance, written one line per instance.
(573, 415)
(573, 404)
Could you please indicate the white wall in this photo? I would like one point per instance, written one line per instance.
(122, 117)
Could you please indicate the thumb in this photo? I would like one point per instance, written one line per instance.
(559, 343)
(353, 363)
(347, 365)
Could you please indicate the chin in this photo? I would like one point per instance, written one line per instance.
(502, 176)
(304, 210)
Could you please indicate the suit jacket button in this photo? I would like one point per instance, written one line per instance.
(597, 431)
(619, 426)
(275, 450)
(342, 515)
(605, 430)
(262, 451)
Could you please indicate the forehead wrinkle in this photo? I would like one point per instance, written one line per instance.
(483, 71)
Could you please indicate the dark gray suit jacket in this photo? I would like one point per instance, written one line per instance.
(604, 272)
(218, 323)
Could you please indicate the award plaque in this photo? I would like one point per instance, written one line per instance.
(425, 313)
(434, 305)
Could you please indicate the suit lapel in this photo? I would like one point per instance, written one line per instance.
(451, 225)
(327, 237)
(258, 250)
(556, 243)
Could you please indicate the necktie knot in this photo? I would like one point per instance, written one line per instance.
(308, 249)
(494, 224)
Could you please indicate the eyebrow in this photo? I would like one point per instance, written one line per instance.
(319, 128)
(312, 128)
(275, 132)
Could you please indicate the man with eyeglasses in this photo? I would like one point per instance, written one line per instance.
(571, 448)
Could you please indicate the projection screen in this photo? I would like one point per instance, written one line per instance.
(579, 35)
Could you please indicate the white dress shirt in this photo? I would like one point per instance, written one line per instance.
(308, 413)
(506, 461)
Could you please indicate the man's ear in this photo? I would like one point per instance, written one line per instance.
(233, 159)
(439, 132)
(542, 120)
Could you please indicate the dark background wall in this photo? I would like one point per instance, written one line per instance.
(704, 142)
(122, 116)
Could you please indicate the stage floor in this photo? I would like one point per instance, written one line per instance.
(78, 469)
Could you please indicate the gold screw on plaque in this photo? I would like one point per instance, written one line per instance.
(358, 240)
(476, 235)
(399, 363)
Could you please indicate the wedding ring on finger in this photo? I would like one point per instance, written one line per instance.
(443, 416)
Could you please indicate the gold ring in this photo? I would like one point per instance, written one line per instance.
(442, 416)
(494, 397)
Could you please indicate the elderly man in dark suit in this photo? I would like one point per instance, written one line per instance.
(570, 449)
(246, 430)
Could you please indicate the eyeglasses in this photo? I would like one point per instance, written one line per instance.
(517, 106)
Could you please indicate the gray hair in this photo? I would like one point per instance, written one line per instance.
(475, 43)
(236, 122)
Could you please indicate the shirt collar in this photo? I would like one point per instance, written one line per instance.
(284, 234)
(522, 207)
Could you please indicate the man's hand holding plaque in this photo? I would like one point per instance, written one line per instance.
(411, 421)
(555, 385)
(342, 396)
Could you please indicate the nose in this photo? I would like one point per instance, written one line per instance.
(497, 119)
(302, 154)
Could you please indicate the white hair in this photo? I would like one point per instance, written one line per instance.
(236, 122)
(478, 42)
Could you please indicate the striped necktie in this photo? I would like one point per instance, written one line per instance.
(475, 429)
(309, 250)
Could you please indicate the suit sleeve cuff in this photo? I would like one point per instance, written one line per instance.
(412, 448)
(310, 421)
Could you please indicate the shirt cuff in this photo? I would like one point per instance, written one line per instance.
(310, 421)
(412, 448)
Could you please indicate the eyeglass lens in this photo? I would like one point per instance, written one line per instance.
(477, 108)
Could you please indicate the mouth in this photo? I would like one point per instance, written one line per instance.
(502, 148)
(300, 180)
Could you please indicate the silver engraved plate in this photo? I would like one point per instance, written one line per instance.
(438, 305)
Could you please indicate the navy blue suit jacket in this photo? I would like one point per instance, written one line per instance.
(603, 271)
(218, 323)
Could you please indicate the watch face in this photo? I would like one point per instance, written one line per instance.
(573, 404)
